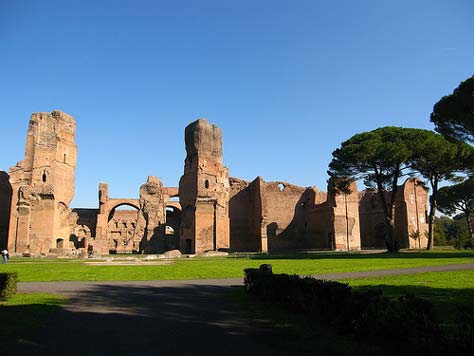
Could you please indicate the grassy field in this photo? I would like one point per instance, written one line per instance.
(284, 330)
(23, 314)
(448, 291)
(232, 266)
(294, 333)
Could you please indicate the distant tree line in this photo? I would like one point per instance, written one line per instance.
(382, 157)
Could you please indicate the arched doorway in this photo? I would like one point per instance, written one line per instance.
(173, 223)
(81, 236)
(121, 224)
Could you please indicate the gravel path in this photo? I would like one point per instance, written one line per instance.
(156, 317)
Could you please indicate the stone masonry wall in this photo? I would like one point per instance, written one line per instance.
(5, 205)
(204, 191)
(245, 215)
(43, 185)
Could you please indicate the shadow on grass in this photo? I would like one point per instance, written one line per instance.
(110, 319)
(20, 322)
(289, 330)
(447, 302)
(143, 320)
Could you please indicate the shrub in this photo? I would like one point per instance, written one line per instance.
(464, 333)
(8, 283)
(407, 323)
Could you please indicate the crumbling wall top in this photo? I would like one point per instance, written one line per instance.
(204, 139)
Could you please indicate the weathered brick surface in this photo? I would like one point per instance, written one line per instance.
(204, 191)
(5, 204)
(43, 185)
(410, 212)
(214, 212)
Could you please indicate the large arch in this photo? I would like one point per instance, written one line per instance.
(113, 237)
(121, 225)
(173, 225)
(114, 208)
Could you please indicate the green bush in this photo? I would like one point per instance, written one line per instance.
(8, 283)
(407, 324)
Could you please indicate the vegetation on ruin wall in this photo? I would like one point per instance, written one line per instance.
(23, 314)
(231, 267)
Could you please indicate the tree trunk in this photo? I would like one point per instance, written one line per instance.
(388, 212)
(469, 226)
(390, 240)
(431, 215)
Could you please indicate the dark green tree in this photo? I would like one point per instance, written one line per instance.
(452, 232)
(453, 115)
(379, 158)
(459, 198)
(436, 159)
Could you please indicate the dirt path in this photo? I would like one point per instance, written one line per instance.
(156, 317)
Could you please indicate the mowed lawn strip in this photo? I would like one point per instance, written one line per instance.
(448, 291)
(36, 270)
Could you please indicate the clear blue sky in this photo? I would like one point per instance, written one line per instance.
(287, 81)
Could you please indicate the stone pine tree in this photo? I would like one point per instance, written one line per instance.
(436, 159)
(453, 115)
(459, 198)
(379, 158)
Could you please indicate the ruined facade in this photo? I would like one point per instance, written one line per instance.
(43, 185)
(5, 205)
(209, 211)
(410, 213)
(204, 191)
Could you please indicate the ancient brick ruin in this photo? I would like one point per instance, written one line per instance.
(209, 211)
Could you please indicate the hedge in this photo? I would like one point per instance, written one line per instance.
(405, 324)
(8, 283)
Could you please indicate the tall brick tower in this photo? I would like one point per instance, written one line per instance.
(43, 185)
(204, 191)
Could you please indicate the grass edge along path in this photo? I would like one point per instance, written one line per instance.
(230, 267)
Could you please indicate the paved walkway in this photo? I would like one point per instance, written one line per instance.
(156, 317)
(71, 288)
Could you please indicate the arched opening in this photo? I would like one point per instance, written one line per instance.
(206, 184)
(60, 243)
(122, 207)
(122, 221)
(173, 223)
(81, 236)
(281, 187)
(44, 177)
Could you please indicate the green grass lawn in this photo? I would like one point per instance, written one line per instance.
(227, 267)
(294, 333)
(23, 314)
(285, 330)
(448, 291)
